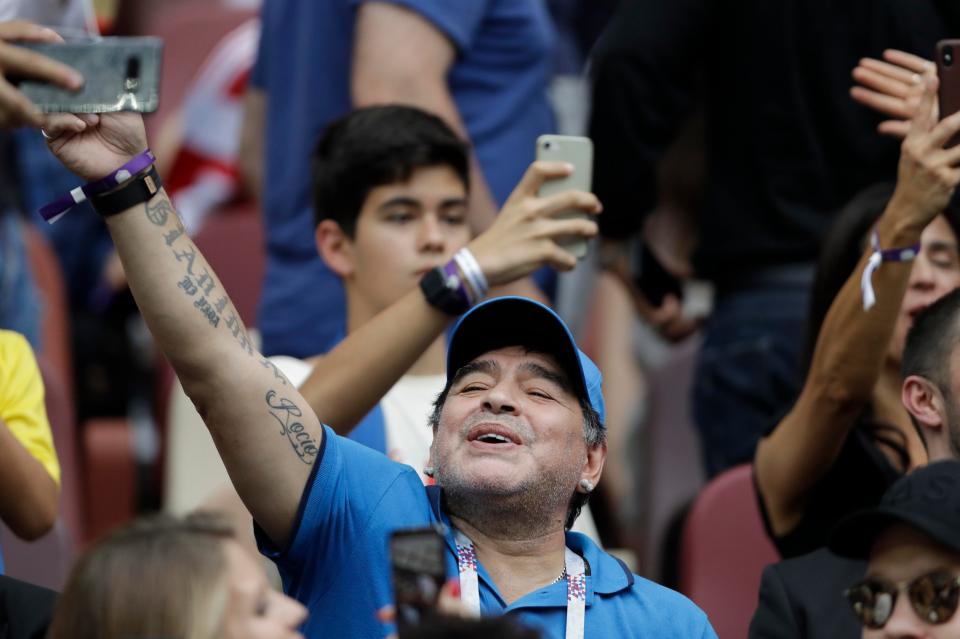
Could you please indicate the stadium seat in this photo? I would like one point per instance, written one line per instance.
(724, 550)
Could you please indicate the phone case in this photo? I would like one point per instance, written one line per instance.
(577, 151)
(120, 74)
(948, 70)
(419, 570)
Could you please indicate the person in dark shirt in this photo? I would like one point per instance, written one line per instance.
(786, 148)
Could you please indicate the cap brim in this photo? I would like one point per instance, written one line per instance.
(854, 536)
(515, 321)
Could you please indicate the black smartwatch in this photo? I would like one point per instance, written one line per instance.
(444, 292)
(136, 190)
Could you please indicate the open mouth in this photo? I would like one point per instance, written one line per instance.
(492, 434)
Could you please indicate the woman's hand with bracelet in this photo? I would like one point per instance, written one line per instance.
(525, 234)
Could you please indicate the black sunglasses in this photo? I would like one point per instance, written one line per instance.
(933, 596)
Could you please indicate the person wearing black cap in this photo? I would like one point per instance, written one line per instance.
(519, 431)
(912, 542)
(799, 597)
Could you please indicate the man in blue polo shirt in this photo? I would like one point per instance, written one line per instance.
(519, 445)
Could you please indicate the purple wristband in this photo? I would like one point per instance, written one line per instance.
(894, 254)
(450, 270)
(51, 212)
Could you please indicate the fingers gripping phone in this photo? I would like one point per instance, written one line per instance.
(578, 151)
(120, 74)
(418, 566)
(948, 71)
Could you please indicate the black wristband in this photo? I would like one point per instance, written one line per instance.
(443, 292)
(136, 190)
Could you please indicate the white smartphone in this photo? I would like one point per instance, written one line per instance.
(578, 151)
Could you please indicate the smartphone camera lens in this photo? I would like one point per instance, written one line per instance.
(947, 56)
(132, 81)
(548, 146)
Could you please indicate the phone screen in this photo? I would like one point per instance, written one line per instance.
(419, 571)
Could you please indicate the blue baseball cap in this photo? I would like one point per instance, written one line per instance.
(519, 321)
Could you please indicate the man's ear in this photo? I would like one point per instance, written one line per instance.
(596, 455)
(335, 247)
(924, 402)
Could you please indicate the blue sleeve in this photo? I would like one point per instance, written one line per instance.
(258, 72)
(349, 484)
(459, 20)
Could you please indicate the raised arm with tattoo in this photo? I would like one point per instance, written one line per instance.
(267, 436)
(265, 432)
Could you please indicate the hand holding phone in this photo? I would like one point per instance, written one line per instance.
(577, 151)
(418, 566)
(15, 108)
(120, 74)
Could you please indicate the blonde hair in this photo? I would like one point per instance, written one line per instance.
(159, 576)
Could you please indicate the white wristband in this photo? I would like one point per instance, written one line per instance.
(472, 271)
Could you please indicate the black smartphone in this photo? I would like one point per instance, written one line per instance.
(418, 565)
(651, 278)
(948, 72)
(119, 74)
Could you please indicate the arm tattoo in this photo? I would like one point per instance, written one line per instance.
(288, 416)
(159, 211)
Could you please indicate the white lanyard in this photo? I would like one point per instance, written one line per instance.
(576, 584)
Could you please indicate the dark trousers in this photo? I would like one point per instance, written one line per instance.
(748, 372)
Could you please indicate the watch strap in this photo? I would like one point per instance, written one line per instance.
(444, 291)
(137, 190)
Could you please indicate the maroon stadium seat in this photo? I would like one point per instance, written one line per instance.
(724, 550)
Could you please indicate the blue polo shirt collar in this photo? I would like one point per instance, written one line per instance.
(606, 574)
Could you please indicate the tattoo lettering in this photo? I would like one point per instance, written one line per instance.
(276, 371)
(239, 333)
(221, 304)
(187, 255)
(159, 211)
(287, 415)
(205, 281)
(171, 237)
(207, 311)
(188, 286)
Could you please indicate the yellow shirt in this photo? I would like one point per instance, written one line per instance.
(21, 401)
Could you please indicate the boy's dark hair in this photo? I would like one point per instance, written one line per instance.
(374, 146)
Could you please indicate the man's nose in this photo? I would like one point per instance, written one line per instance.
(903, 623)
(499, 399)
